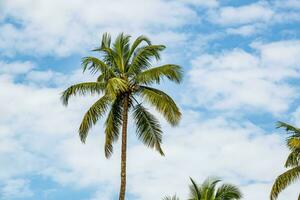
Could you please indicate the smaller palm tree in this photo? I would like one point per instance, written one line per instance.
(292, 162)
(171, 198)
(208, 190)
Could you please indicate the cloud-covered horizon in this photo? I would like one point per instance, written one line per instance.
(241, 63)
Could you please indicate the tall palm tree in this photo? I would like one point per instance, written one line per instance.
(124, 76)
(292, 162)
(208, 191)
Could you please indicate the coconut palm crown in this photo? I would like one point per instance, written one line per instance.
(292, 162)
(124, 78)
(208, 190)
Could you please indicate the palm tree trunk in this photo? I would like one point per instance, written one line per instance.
(124, 147)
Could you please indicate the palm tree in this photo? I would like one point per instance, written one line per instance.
(208, 191)
(292, 162)
(124, 76)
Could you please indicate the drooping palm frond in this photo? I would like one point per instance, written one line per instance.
(284, 180)
(162, 102)
(171, 72)
(112, 126)
(293, 159)
(148, 128)
(82, 89)
(96, 111)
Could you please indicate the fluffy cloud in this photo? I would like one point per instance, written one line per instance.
(238, 79)
(256, 12)
(17, 188)
(36, 122)
(38, 31)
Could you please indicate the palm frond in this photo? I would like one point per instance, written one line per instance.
(284, 180)
(162, 102)
(172, 72)
(94, 65)
(112, 126)
(289, 128)
(141, 60)
(115, 86)
(228, 191)
(122, 48)
(195, 193)
(148, 128)
(293, 159)
(96, 111)
(135, 45)
(171, 198)
(82, 89)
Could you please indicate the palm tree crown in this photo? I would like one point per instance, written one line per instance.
(292, 162)
(124, 76)
(208, 190)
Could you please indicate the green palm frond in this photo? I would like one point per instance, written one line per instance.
(136, 43)
(148, 128)
(171, 198)
(284, 180)
(195, 193)
(115, 86)
(121, 47)
(228, 191)
(94, 65)
(82, 89)
(112, 126)
(289, 128)
(106, 40)
(141, 60)
(96, 111)
(162, 102)
(293, 159)
(171, 72)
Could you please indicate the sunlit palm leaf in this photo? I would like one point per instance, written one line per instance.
(228, 191)
(115, 86)
(82, 89)
(171, 72)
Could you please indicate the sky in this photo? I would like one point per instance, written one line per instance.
(241, 64)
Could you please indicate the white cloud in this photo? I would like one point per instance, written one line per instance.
(199, 147)
(246, 30)
(76, 26)
(15, 188)
(255, 12)
(237, 79)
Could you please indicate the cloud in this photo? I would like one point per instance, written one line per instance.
(16, 188)
(237, 79)
(246, 30)
(37, 31)
(255, 12)
(40, 131)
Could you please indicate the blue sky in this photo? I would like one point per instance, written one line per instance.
(241, 63)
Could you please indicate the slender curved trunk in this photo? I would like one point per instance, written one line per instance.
(124, 148)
